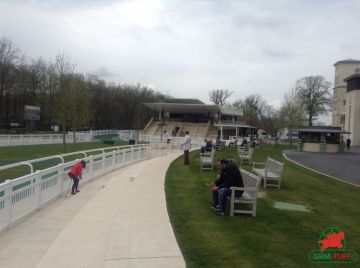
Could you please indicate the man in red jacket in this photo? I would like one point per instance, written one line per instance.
(75, 175)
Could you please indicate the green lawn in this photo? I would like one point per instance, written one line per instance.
(12, 154)
(275, 238)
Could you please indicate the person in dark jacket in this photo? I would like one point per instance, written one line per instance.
(229, 176)
(348, 143)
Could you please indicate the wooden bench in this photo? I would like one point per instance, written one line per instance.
(207, 160)
(246, 156)
(249, 196)
(271, 171)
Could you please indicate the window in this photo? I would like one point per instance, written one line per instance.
(342, 119)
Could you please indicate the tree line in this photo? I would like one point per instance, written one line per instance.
(308, 99)
(76, 101)
(66, 97)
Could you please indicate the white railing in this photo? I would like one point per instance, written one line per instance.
(8, 140)
(81, 136)
(22, 196)
(175, 143)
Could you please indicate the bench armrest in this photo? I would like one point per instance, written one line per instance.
(275, 170)
(249, 189)
(258, 164)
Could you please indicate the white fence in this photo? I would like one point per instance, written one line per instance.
(8, 140)
(22, 196)
(175, 143)
(82, 136)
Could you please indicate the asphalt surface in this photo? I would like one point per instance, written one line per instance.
(345, 166)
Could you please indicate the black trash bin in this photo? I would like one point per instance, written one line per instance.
(131, 142)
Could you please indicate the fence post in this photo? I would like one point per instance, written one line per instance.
(38, 189)
(113, 160)
(103, 162)
(91, 166)
(61, 177)
(8, 202)
(132, 155)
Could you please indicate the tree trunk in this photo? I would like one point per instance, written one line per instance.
(64, 137)
(74, 139)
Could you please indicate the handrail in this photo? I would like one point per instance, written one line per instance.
(23, 195)
(61, 156)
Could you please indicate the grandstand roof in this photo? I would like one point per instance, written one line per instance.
(182, 107)
(229, 111)
(191, 108)
(189, 101)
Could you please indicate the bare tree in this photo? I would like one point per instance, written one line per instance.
(257, 112)
(292, 112)
(314, 94)
(64, 70)
(9, 54)
(219, 96)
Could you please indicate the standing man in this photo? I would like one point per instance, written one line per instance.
(186, 146)
(348, 143)
(76, 174)
(167, 137)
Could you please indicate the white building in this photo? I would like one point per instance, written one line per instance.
(346, 99)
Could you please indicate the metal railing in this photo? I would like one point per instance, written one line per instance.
(80, 136)
(174, 143)
(26, 194)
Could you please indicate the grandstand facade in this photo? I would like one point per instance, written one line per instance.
(202, 120)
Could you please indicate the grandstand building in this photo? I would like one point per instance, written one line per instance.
(346, 98)
(202, 120)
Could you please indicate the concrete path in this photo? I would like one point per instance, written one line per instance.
(345, 166)
(120, 220)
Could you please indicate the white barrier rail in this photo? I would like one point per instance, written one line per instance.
(175, 143)
(80, 136)
(22, 196)
(8, 140)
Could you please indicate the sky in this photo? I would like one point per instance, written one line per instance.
(186, 48)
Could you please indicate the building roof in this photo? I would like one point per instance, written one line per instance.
(228, 111)
(191, 108)
(348, 61)
(320, 129)
(231, 124)
(189, 101)
(182, 107)
(355, 75)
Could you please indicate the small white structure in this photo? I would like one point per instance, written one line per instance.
(284, 134)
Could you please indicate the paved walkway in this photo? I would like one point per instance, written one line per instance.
(119, 220)
(344, 166)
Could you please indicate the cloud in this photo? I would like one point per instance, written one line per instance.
(277, 52)
(190, 47)
(103, 72)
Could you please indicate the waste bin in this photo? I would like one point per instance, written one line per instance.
(131, 142)
(299, 145)
(322, 147)
(341, 147)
